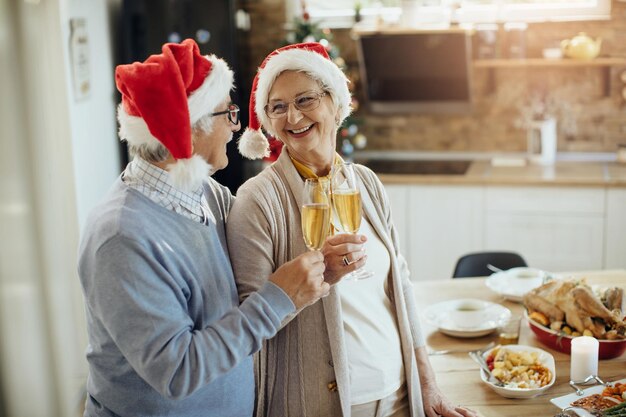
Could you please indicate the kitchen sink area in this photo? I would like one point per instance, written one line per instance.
(416, 166)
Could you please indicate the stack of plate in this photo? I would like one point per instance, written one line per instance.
(512, 284)
(466, 317)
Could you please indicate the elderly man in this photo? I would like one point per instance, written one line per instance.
(167, 335)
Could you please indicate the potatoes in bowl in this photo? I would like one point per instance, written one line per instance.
(524, 371)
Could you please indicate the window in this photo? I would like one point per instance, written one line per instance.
(340, 13)
(534, 10)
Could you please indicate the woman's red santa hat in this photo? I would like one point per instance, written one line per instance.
(164, 96)
(309, 58)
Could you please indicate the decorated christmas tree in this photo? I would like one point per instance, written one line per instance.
(305, 30)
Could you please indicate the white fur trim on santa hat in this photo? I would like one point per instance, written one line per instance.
(134, 130)
(253, 144)
(189, 174)
(204, 100)
(312, 63)
(213, 91)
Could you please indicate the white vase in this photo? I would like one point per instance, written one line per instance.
(410, 13)
(541, 141)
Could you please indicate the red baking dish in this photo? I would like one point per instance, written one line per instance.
(608, 349)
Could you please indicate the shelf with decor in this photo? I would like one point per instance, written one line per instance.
(543, 62)
(605, 63)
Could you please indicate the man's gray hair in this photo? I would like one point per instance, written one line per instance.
(149, 152)
(159, 153)
(203, 125)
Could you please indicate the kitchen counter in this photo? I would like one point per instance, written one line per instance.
(482, 172)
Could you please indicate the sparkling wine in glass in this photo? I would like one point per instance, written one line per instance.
(347, 207)
(315, 213)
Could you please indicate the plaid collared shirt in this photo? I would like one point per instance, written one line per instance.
(153, 182)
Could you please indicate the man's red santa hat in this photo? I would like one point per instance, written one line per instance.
(164, 96)
(309, 58)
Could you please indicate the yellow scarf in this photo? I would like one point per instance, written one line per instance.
(306, 172)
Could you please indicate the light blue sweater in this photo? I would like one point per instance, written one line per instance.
(167, 336)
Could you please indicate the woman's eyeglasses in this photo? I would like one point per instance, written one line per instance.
(232, 112)
(305, 102)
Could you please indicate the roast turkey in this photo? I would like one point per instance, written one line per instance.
(577, 305)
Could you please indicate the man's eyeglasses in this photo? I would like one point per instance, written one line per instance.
(305, 102)
(232, 112)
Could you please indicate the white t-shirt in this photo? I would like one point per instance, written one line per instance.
(371, 331)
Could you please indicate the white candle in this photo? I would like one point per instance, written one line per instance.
(584, 358)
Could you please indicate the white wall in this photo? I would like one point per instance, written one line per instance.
(92, 121)
(94, 144)
(59, 158)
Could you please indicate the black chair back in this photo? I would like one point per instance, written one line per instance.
(475, 264)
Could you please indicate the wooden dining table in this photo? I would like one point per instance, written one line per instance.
(458, 376)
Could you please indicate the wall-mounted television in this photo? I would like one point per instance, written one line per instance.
(416, 72)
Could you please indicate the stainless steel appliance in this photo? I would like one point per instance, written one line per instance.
(417, 72)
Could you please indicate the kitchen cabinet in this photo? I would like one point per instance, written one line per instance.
(436, 225)
(556, 228)
(615, 256)
(399, 208)
(443, 223)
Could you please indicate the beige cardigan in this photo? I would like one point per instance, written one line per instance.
(303, 370)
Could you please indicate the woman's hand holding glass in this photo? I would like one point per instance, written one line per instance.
(337, 248)
(347, 210)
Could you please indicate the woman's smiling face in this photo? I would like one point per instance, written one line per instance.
(311, 135)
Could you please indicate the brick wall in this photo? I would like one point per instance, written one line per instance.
(590, 120)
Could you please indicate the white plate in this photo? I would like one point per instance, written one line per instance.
(565, 400)
(544, 358)
(512, 284)
(466, 317)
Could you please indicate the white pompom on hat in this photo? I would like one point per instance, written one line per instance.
(164, 96)
(310, 58)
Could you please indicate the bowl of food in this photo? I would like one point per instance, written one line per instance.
(561, 341)
(559, 311)
(519, 371)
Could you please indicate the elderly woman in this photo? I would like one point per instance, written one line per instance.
(359, 351)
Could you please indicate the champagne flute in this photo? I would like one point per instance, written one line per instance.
(315, 213)
(347, 207)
